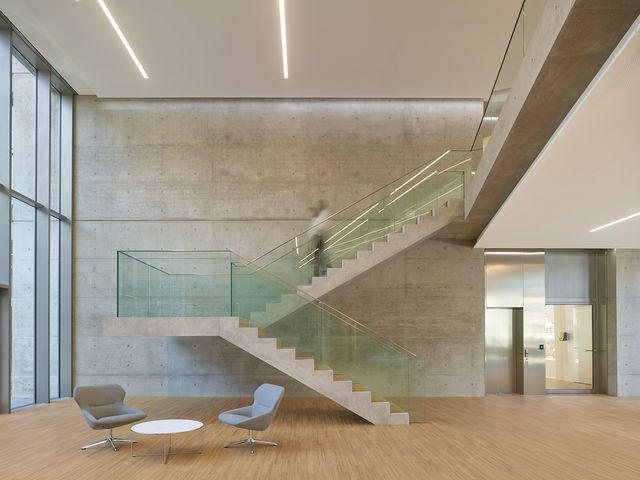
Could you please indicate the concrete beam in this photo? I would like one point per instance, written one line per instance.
(570, 45)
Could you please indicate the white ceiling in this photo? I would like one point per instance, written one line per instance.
(231, 48)
(587, 177)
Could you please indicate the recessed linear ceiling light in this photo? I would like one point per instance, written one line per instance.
(614, 222)
(122, 38)
(513, 253)
(283, 34)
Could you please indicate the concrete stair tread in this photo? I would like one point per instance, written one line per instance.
(341, 389)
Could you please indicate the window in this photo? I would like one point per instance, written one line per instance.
(55, 150)
(54, 308)
(23, 230)
(35, 223)
(23, 128)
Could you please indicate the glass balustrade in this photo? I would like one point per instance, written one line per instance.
(370, 220)
(222, 283)
(514, 56)
(265, 291)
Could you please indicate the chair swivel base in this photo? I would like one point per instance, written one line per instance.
(251, 442)
(110, 440)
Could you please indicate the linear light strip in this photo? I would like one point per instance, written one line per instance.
(454, 166)
(122, 38)
(352, 222)
(283, 34)
(348, 233)
(420, 172)
(309, 259)
(614, 222)
(407, 191)
(514, 253)
(302, 260)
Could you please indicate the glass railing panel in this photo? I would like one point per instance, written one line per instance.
(417, 389)
(328, 336)
(347, 349)
(133, 287)
(222, 283)
(251, 292)
(516, 51)
(174, 284)
(371, 219)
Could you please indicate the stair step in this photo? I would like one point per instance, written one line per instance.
(261, 334)
(376, 398)
(363, 254)
(332, 271)
(303, 358)
(322, 367)
(317, 280)
(392, 406)
(338, 377)
(243, 322)
(356, 387)
(379, 246)
(398, 418)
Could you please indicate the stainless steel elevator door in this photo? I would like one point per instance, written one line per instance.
(500, 374)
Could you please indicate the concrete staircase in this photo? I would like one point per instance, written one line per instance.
(237, 331)
(426, 226)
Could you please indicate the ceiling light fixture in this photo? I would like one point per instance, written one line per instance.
(514, 253)
(283, 34)
(122, 38)
(614, 222)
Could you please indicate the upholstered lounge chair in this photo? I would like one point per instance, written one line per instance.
(103, 409)
(258, 416)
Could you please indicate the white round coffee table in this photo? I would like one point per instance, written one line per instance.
(166, 428)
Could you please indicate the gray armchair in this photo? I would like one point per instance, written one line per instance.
(103, 409)
(258, 416)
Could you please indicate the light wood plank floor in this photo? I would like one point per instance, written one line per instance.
(557, 384)
(495, 437)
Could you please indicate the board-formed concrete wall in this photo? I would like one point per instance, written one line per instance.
(242, 174)
(430, 300)
(623, 291)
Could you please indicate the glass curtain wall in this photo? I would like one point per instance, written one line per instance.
(23, 232)
(54, 247)
(54, 308)
(35, 226)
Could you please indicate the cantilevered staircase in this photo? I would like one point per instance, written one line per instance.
(269, 306)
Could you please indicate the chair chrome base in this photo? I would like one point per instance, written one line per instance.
(110, 440)
(250, 441)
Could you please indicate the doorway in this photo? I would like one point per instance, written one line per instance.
(569, 348)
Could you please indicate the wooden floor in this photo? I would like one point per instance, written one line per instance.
(557, 384)
(495, 437)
